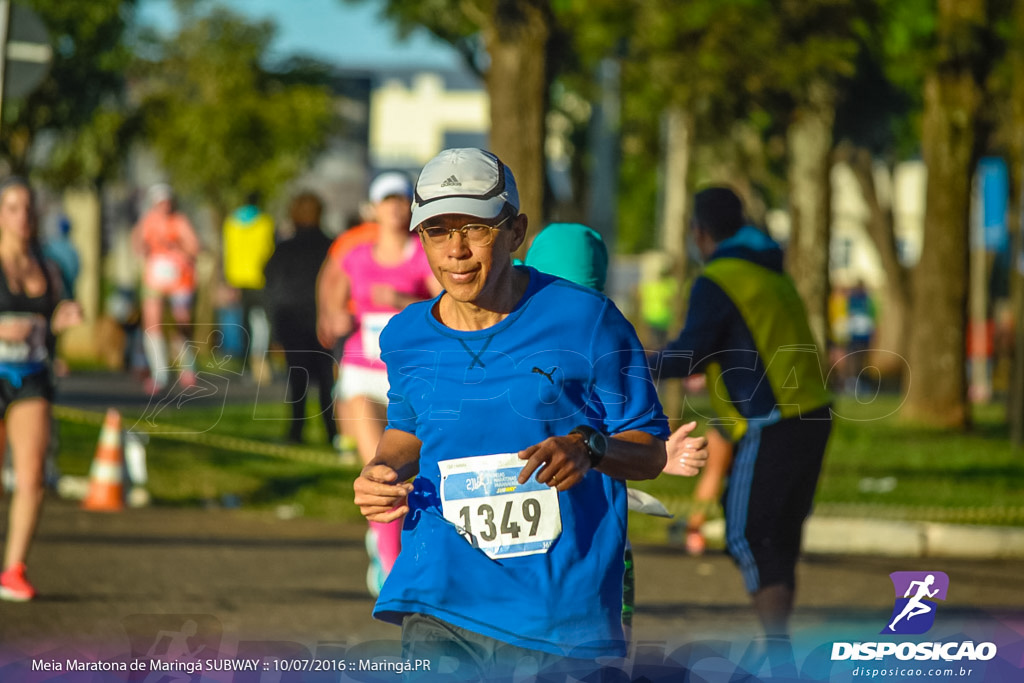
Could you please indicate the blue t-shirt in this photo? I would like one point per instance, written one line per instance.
(565, 356)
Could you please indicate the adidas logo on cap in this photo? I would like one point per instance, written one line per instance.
(451, 181)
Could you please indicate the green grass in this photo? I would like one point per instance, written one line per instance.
(186, 473)
(975, 476)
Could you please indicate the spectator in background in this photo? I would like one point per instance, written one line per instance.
(838, 338)
(658, 303)
(860, 312)
(63, 253)
(572, 251)
(167, 244)
(248, 242)
(32, 310)
(290, 296)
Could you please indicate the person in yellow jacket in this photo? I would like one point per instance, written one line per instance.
(658, 303)
(746, 328)
(248, 240)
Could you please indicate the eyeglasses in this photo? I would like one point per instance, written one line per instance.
(476, 234)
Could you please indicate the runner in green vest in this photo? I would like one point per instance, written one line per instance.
(746, 327)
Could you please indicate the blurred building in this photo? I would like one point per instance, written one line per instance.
(853, 256)
(852, 253)
(414, 115)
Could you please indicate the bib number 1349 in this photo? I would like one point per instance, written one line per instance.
(486, 522)
(492, 511)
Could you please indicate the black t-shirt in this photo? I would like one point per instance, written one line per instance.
(290, 290)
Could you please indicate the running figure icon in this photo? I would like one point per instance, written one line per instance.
(916, 606)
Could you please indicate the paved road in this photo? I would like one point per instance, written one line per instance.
(110, 582)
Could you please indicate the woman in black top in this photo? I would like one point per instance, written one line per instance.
(31, 313)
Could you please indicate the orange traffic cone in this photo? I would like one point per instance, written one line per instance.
(106, 486)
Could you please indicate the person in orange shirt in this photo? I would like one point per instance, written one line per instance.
(167, 245)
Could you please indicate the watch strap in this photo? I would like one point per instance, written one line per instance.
(588, 433)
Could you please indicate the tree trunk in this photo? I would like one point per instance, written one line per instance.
(810, 145)
(208, 280)
(517, 84)
(679, 127)
(84, 208)
(679, 131)
(892, 332)
(936, 385)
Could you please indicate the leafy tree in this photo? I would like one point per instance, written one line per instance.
(714, 70)
(508, 42)
(79, 104)
(221, 123)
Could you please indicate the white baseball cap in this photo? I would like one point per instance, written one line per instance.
(391, 184)
(159, 192)
(467, 181)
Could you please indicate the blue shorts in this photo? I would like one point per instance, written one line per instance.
(769, 495)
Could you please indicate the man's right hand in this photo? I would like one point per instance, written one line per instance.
(379, 495)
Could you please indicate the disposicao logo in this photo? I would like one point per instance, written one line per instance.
(913, 614)
(916, 592)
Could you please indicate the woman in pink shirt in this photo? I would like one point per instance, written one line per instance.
(380, 279)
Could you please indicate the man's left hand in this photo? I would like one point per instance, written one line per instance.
(565, 461)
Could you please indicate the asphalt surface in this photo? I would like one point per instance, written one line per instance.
(301, 580)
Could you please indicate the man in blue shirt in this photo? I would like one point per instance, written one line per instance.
(521, 403)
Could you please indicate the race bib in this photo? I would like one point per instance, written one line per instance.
(481, 496)
(31, 349)
(371, 325)
(162, 272)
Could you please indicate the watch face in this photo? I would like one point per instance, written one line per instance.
(598, 443)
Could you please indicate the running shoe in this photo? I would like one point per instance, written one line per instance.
(14, 586)
(375, 572)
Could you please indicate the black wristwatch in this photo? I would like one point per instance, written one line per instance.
(595, 441)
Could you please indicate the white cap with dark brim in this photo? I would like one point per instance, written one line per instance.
(466, 181)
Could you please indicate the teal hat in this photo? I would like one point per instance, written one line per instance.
(571, 251)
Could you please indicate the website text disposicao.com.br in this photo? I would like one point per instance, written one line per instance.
(953, 659)
(903, 672)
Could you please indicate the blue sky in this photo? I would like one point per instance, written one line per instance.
(348, 35)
